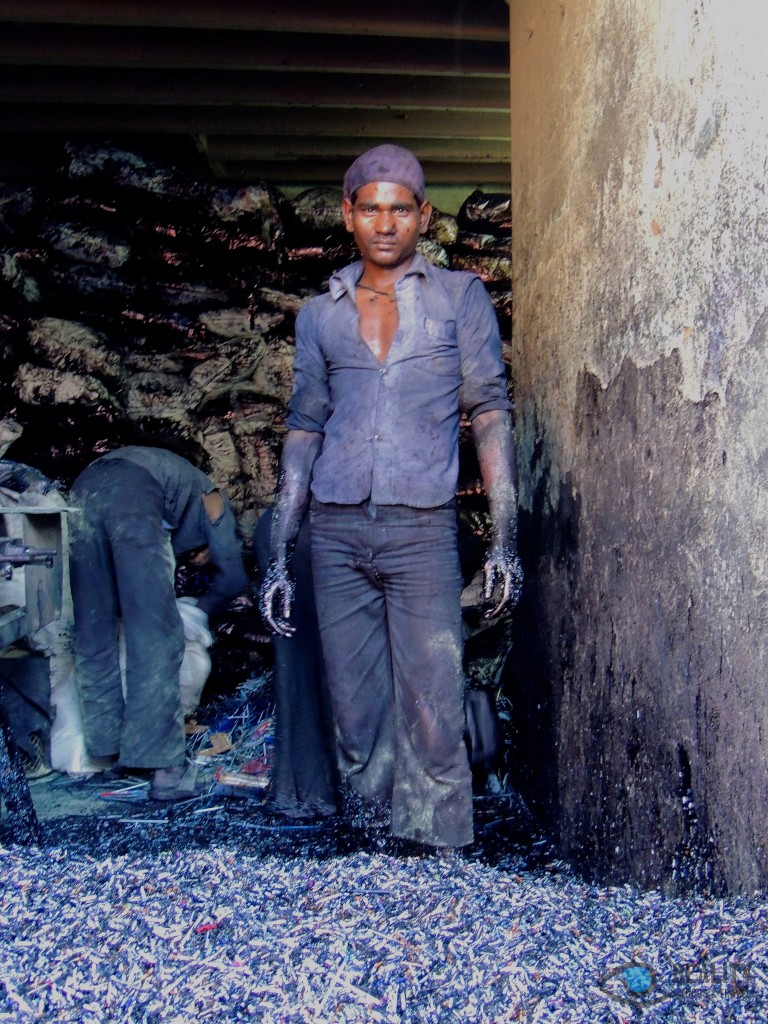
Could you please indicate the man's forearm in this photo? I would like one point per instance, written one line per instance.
(502, 572)
(494, 440)
(300, 451)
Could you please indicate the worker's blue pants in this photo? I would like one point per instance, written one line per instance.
(388, 591)
(122, 567)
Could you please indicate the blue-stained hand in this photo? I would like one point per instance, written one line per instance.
(502, 574)
(276, 599)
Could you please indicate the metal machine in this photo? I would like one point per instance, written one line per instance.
(31, 572)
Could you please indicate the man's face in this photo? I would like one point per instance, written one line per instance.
(386, 221)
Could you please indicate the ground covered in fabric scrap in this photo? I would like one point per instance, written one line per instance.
(226, 934)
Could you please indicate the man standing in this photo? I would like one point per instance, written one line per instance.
(138, 509)
(386, 361)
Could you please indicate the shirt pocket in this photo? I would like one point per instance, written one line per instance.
(441, 347)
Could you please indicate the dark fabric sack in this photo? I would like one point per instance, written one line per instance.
(483, 733)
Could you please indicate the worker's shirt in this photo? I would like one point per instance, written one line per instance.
(391, 429)
(185, 517)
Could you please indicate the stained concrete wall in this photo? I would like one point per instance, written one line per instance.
(640, 154)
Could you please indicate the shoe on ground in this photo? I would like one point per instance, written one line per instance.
(176, 783)
(449, 854)
(34, 763)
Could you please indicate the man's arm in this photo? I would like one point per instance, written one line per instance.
(225, 551)
(492, 431)
(300, 451)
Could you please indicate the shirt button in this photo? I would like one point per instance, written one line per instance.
(383, 372)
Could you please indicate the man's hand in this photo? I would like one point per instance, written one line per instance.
(300, 449)
(503, 574)
(277, 590)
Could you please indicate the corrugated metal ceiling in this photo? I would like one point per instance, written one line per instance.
(286, 92)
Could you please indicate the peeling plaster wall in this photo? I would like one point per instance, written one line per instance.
(640, 358)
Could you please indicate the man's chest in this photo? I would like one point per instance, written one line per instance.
(414, 335)
(378, 320)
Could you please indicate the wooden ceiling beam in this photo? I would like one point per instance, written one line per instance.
(331, 172)
(94, 47)
(428, 20)
(26, 157)
(115, 120)
(245, 148)
(22, 85)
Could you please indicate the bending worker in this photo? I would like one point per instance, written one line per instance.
(386, 361)
(139, 509)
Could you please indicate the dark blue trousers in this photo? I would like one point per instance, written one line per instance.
(388, 588)
(122, 567)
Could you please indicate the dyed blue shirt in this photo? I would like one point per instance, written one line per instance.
(185, 518)
(391, 429)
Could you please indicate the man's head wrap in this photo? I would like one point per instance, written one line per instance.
(386, 163)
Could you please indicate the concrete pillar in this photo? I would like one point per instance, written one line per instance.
(640, 216)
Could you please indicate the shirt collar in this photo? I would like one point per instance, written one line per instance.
(344, 280)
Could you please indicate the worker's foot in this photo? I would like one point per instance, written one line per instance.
(35, 761)
(445, 854)
(448, 854)
(176, 783)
